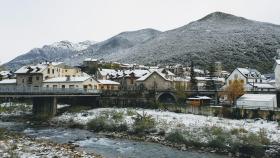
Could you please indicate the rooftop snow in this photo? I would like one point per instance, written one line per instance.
(64, 79)
(39, 68)
(108, 82)
(8, 81)
(257, 97)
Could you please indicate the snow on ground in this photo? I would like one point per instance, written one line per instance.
(170, 120)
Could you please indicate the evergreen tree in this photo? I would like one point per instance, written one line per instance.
(193, 81)
(210, 83)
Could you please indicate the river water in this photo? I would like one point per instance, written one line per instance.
(107, 147)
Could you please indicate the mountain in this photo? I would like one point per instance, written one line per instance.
(75, 53)
(55, 52)
(235, 41)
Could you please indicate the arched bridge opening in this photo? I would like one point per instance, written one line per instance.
(166, 97)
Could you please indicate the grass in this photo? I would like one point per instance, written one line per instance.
(143, 123)
(102, 123)
(76, 109)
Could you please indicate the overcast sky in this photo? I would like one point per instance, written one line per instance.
(25, 24)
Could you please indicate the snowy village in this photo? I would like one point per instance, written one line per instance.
(139, 79)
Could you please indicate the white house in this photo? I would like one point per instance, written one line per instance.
(277, 73)
(257, 101)
(251, 78)
(86, 82)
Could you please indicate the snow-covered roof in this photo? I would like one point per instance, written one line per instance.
(249, 72)
(262, 85)
(181, 79)
(105, 72)
(200, 98)
(66, 79)
(108, 82)
(116, 74)
(90, 59)
(143, 78)
(56, 63)
(5, 73)
(277, 61)
(257, 97)
(8, 81)
(39, 68)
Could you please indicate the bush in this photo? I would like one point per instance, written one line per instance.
(131, 112)
(73, 124)
(98, 124)
(2, 132)
(76, 109)
(176, 137)
(102, 123)
(143, 123)
(117, 116)
(218, 142)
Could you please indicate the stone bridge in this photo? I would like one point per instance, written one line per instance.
(45, 99)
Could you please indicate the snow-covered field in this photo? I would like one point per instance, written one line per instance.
(189, 122)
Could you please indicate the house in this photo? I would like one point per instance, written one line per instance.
(34, 75)
(277, 73)
(249, 77)
(154, 81)
(66, 70)
(257, 101)
(90, 62)
(8, 83)
(108, 85)
(104, 74)
(85, 82)
(180, 82)
(126, 78)
(6, 75)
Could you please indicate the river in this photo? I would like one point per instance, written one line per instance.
(107, 147)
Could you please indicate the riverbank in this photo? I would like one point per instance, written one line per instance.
(238, 138)
(18, 145)
(185, 132)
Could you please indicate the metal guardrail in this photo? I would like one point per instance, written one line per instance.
(44, 90)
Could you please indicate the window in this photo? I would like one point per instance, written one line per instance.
(37, 78)
(49, 70)
(52, 71)
(30, 79)
(22, 80)
(63, 86)
(71, 86)
(47, 86)
(54, 86)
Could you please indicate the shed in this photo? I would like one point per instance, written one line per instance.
(257, 101)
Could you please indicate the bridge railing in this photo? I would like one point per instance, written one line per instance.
(45, 90)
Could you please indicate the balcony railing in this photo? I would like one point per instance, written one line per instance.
(44, 90)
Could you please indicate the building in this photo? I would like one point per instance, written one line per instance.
(6, 75)
(34, 75)
(154, 81)
(90, 62)
(6, 83)
(257, 101)
(86, 82)
(277, 73)
(66, 70)
(250, 77)
(108, 85)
